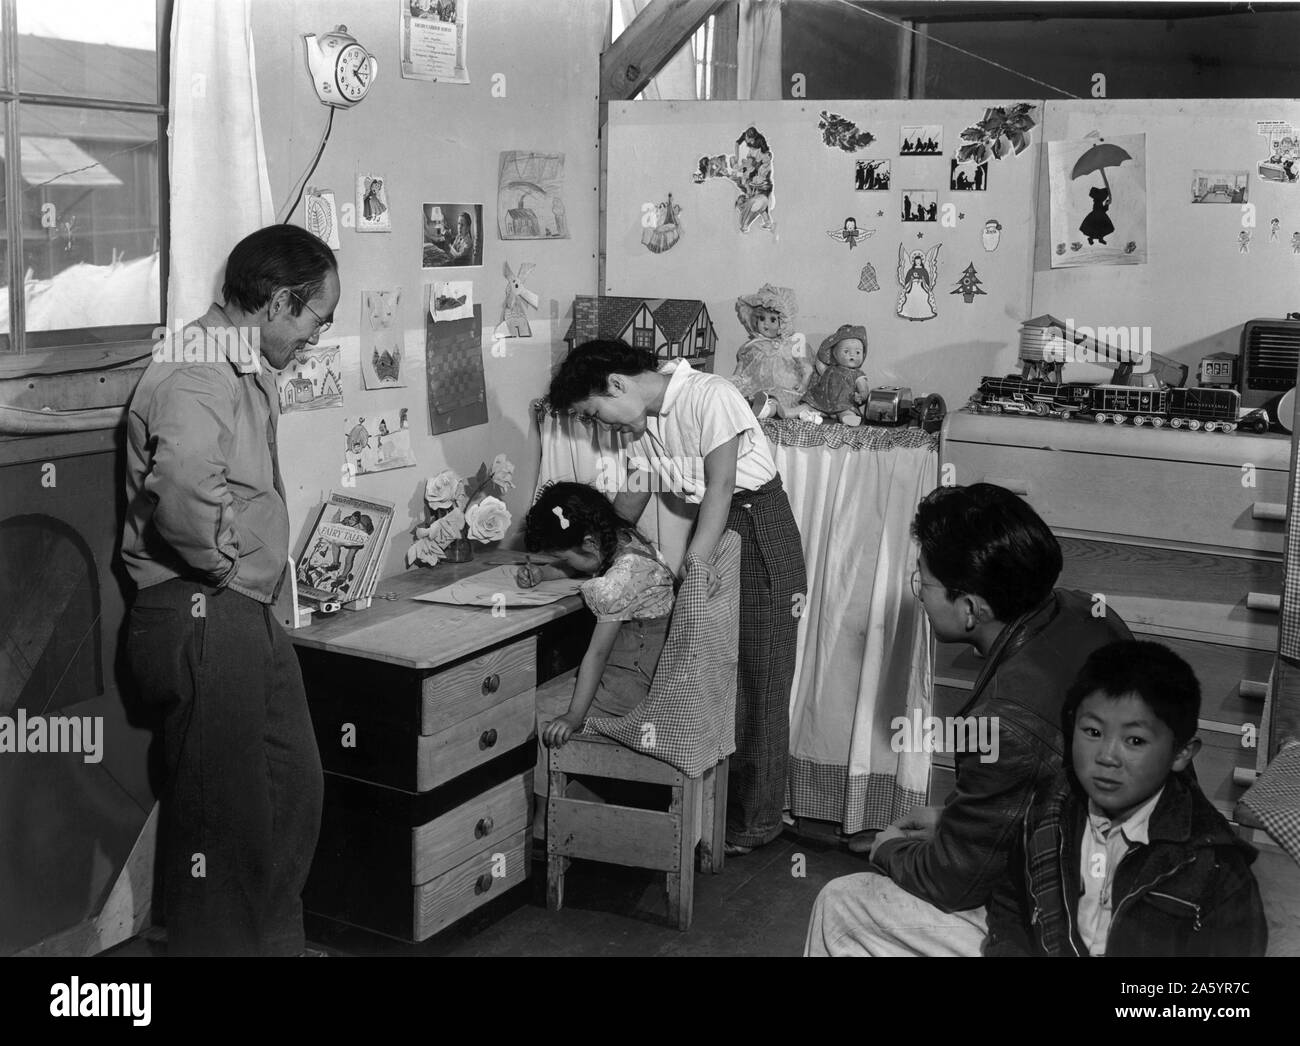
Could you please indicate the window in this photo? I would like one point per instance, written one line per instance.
(82, 205)
(643, 338)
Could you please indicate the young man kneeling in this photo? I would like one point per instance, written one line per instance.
(986, 577)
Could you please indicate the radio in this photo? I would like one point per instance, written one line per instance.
(1270, 354)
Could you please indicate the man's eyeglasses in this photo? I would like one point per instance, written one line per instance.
(321, 325)
(918, 584)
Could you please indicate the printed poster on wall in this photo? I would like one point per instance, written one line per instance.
(454, 365)
(1098, 201)
(433, 40)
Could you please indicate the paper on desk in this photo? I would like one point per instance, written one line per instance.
(492, 586)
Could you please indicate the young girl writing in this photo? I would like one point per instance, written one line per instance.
(630, 593)
(698, 436)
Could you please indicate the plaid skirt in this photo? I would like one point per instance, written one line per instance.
(773, 585)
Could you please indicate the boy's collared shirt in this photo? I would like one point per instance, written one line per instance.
(1102, 847)
(700, 412)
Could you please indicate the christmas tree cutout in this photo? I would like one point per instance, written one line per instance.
(969, 284)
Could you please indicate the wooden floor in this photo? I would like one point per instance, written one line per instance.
(758, 906)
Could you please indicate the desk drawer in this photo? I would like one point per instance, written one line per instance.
(380, 847)
(400, 758)
(464, 690)
(482, 737)
(486, 875)
(1180, 502)
(449, 840)
(352, 688)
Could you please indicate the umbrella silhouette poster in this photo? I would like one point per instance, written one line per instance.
(1098, 201)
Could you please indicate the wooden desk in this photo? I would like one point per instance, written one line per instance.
(425, 719)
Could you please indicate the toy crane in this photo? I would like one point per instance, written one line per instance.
(1047, 344)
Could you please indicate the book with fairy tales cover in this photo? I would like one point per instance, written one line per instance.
(344, 551)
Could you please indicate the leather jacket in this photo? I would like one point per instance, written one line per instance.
(1023, 683)
(1188, 891)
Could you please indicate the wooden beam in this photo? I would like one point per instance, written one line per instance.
(1019, 11)
(920, 50)
(645, 46)
(903, 70)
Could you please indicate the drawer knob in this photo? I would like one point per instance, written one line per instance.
(487, 739)
(1266, 601)
(483, 827)
(483, 884)
(492, 684)
(1268, 510)
(1254, 689)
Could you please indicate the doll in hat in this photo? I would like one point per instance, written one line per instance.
(840, 388)
(771, 371)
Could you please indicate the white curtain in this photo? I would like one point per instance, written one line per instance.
(758, 50)
(220, 191)
(863, 638)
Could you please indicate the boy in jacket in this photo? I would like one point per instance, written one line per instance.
(1123, 854)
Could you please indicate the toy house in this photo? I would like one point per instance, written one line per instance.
(671, 328)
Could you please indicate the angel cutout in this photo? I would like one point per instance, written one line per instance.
(850, 234)
(917, 276)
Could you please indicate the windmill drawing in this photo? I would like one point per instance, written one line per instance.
(514, 319)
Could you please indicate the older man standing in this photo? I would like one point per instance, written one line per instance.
(206, 542)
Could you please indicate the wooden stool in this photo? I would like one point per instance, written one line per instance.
(640, 838)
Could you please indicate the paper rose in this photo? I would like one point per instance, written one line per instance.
(488, 519)
(444, 490)
(425, 550)
(503, 472)
(463, 509)
(446, 529)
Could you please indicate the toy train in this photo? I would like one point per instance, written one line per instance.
(1207, 409)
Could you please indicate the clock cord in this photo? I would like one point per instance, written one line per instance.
(301, 184)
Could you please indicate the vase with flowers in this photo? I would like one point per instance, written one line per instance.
(463, 511)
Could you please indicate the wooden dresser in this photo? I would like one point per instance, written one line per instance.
(1181, 532)
(424, 715)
